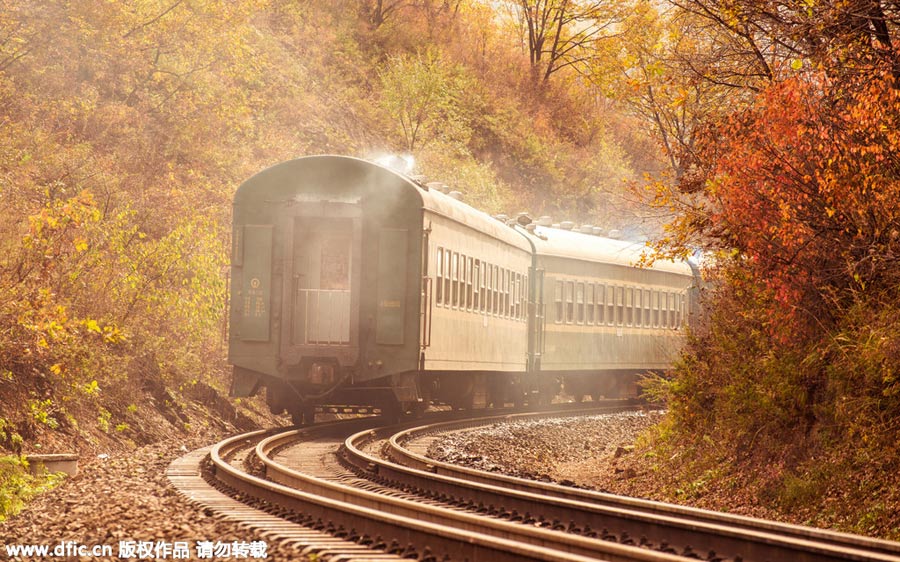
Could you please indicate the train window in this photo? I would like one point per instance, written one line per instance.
(470, 277)
(484, 285)
(664, 310)
(504, 292)
(488, 283)
(465, 282)
(463, 275)
(524, 296)
(629, 306)
(610, 305)
(672, 310)
(620, 305)
(439, 275)
(504, 288)
(464, 264)
(647, 308)
(579, 302)
(507, 283)
(638, 308)
(589, 304)
(492, 288)
(600, 292)
(655, 301)
(678, 310)
(570, 302)
(447, 277)
(471, 282)
(477, 284)
(520, 292)
(517, 286)
(495, 289)
(512, 294)
(558, 299)
(454, 279)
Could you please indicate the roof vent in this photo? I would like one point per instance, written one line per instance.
(523, 218)
(567, 225)
(530, 227)
(434, 185)
(456, 195)
(545, 221)
(614, 234)
(586, 229)
(597, 231)
(502, 218)
(444, 188)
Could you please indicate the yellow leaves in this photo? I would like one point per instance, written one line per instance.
(112, 334)
(92, 388)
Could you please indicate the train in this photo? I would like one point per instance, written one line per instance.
(354, 284)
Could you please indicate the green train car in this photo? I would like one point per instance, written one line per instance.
(354, 284)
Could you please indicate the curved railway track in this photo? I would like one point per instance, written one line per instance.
(368, 492)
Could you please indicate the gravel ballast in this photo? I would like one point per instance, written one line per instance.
(558, 449)
(123, 500)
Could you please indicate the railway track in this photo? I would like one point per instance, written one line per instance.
(370, 493)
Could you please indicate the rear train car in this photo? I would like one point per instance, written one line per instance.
(352, 284)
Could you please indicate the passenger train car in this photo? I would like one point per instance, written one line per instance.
(354, 284)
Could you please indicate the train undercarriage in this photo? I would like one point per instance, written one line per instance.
(410, 394)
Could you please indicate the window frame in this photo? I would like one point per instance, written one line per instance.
(439, 276)
(558, 301)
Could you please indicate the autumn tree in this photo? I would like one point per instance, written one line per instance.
(764, 37)
(422, 93)
(653, 73)
(559, 34)
(794, 198)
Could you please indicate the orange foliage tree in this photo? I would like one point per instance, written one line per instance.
(805, 184)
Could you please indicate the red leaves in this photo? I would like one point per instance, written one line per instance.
(807, 186)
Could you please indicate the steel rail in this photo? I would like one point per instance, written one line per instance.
(364, 520)
(518, 542)
(753, 539)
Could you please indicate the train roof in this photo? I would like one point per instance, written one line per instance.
(288, 181)
(460, 212)
(285, 181)
(557, 242)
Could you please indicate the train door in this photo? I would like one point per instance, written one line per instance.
(536, 319)
(321, 276)
(321, 307)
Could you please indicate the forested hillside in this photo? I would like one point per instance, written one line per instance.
(126, 127)
(765, 134)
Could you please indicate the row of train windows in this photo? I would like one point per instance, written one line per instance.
(470, 284)
(578, 302)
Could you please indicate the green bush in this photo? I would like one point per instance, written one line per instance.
(17, 485)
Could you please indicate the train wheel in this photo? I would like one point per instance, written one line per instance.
(458, 390)
(464, 402)
(425, 390)
(392, 412)
(305, 414)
